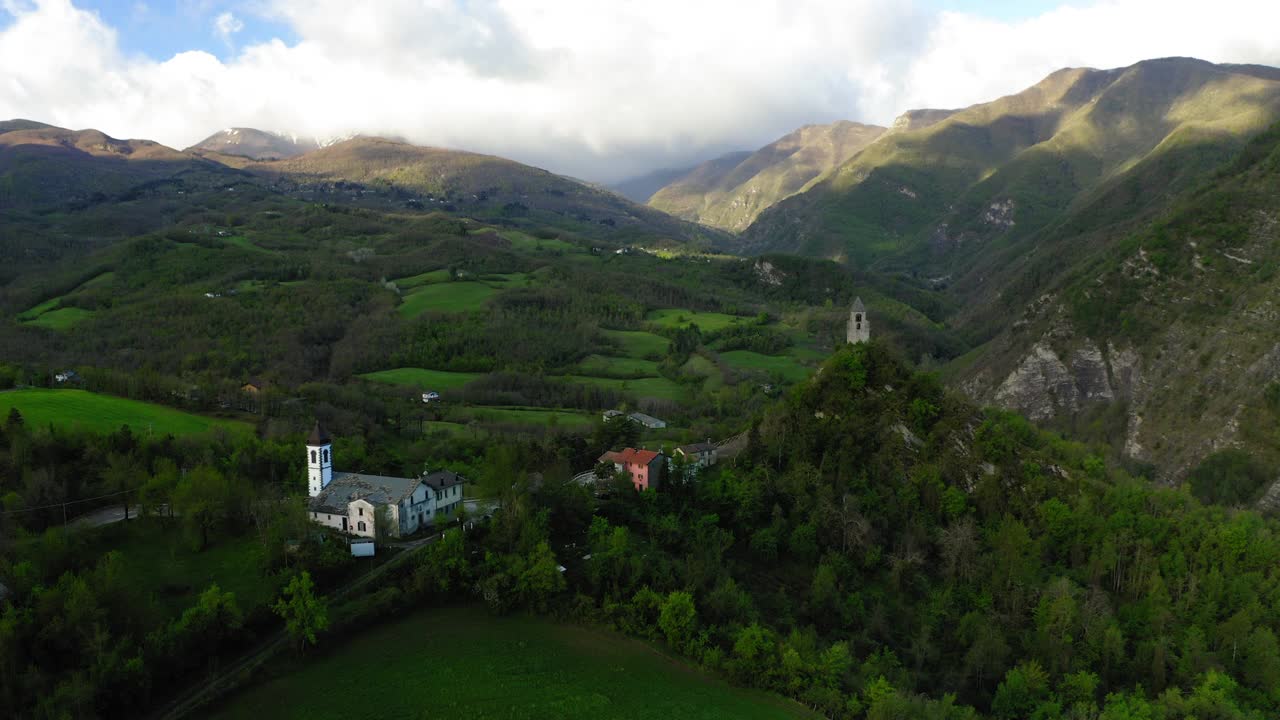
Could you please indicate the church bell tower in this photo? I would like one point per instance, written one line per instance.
(319, 460)
(859, 330)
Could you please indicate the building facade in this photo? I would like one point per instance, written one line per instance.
(357, 503)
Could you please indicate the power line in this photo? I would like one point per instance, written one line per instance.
(64, 504)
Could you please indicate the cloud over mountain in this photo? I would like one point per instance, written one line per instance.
(601, 90)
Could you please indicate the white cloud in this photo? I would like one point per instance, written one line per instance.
(588, 87)
(226, 25)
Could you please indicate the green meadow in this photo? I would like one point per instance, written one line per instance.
(465, 664)
(788, 367)
(617, 367)
(638, 344)
(649, 387)
(448, 297)
(422, 378)
(106, 413)
(707, 321)
(523, 416)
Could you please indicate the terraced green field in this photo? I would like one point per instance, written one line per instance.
(60, 319)
(426, 278)
(708, 321)
(653, 387)
(523, 416)
(465, 664)
(106, 413)
(617, 367)
(449, 297)
(421, 378)
(788, 367)
(524, 241)
(638, 344)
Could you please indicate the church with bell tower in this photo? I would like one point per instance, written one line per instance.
(319, 461)
(859, 328)
(367, 505)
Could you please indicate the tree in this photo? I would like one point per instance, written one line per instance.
(304, 614)
(384, 527)
(203, 501)
(121, 475)
(678, 619)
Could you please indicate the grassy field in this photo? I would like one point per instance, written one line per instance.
(464, 664)
(524, 241)
(160, 563)
(708, 321)
(421, 378)
(788, 367)
(638, 344)
(446, 297)
(523, 416)
(60, 319)
(426, 278)
(616, 367)
(241, 241)
(654, 387)
(105, 413)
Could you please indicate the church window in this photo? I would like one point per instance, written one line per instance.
(326, 454)
(859, 326)
(858, 317)
(313, 457)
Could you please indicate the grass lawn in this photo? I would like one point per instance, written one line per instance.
(708, 321)
(788, 367)
(159, 562)
(655, 387)
(106, 413)
(446, 297)
(464, 664)
(616, 367)
(426, 278)
(638, 344)
(425, 379)
(524, 241)
(523, 416)
(60, 319)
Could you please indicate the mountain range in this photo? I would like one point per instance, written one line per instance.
(1095, 251)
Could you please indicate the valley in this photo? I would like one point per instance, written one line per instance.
(974, 415)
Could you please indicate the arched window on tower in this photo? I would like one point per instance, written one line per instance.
(326, 454)
(313, 457)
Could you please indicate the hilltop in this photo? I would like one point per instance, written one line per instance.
(731, 191)
(255, 144)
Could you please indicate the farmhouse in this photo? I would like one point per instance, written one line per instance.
(644, 466)
(355, 502)
(698, 455)
(648, 421)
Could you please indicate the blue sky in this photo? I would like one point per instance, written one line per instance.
(160, 29)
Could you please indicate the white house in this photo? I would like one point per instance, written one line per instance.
(349, 502)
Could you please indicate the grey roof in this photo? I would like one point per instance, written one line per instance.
(377, 489)
(697, 448)
(442, 479)
(858, 306)
(642, 418)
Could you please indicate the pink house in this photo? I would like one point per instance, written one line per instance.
(644, 466)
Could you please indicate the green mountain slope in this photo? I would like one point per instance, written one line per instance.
(731, 191)
(1164, 341)
(934, 196)
(483, 186)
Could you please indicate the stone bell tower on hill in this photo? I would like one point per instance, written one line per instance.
(859, 330)
(319, 460)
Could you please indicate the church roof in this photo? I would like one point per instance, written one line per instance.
(858, 306)
(376, 489)
(318, 436)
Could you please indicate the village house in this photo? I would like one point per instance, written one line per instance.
(351, 502)
(644, 466)
(648, 421)
(698, 455)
